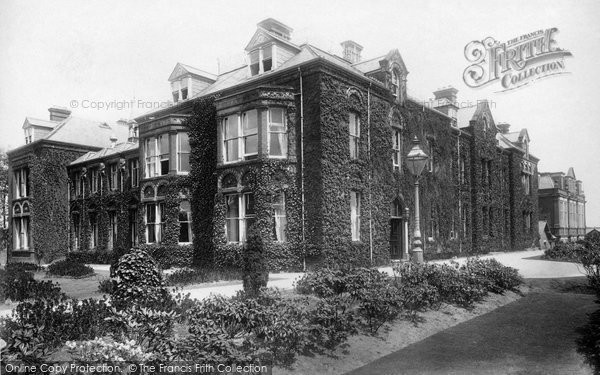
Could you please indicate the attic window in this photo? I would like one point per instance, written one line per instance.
(184, 93)
(261, 60)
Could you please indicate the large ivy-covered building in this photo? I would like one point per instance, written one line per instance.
(308, 149)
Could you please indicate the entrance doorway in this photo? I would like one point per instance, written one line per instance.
(398, 230)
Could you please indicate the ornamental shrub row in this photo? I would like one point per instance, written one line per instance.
(90, 257)
(69, 268)
(565, 251)
(17, 284)
(187, 276)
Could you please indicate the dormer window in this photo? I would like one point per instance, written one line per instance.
(261, 60)
(184, 93)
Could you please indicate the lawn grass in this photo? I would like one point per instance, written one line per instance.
(534, 335)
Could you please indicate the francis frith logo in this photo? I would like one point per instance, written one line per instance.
(515, 63)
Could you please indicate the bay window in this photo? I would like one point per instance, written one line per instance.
(231, 135)
(150, 157)
(250, 134)
(183, 152)
(163, 152)
(354, 124)
(277, 133)
(21, 228)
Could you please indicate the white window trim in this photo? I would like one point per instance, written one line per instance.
(241, 218)
(190, 231)
(284, 216)
(397, 148)
(179, 152)
(355, 217)
(239, 138)
(269, 132)
(355, 136)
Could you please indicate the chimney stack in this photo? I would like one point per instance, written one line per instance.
(352, 51)
(58, 113)
(445, 101)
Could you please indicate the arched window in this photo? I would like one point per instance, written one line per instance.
(396, 209)
(25, 208)
(17, 209)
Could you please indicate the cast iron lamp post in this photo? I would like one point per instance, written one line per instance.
(415, 162)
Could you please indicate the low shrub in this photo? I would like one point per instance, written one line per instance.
(17, 284)
(454, 286)
(566, 251)
(495, 277)
(323, 283)
(32, 267)
(58, 321)
(168, 256)
(90, 257)
(418, 298)
(69, 268)
(379, 303)
(187, 276)
(326, 282)
(330, 323)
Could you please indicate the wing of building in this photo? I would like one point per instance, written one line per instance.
(308, 149)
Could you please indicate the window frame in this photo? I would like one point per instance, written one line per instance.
(354, 137)
(243, 217)
(283, 132)
(134, 176)
(188, 222)
(397, 149)
(181, 153)
(355, 214)
(280, 232)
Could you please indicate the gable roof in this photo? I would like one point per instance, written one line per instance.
(182, 69)
(262, 36)
(517, 137)
(31, 121)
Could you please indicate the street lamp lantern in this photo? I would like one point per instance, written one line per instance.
(415, 162)
(416, 159)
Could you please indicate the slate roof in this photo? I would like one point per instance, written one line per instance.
(546, 182)
(106, 152)
(86, 132)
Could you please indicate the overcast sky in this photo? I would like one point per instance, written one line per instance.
(73, 54)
